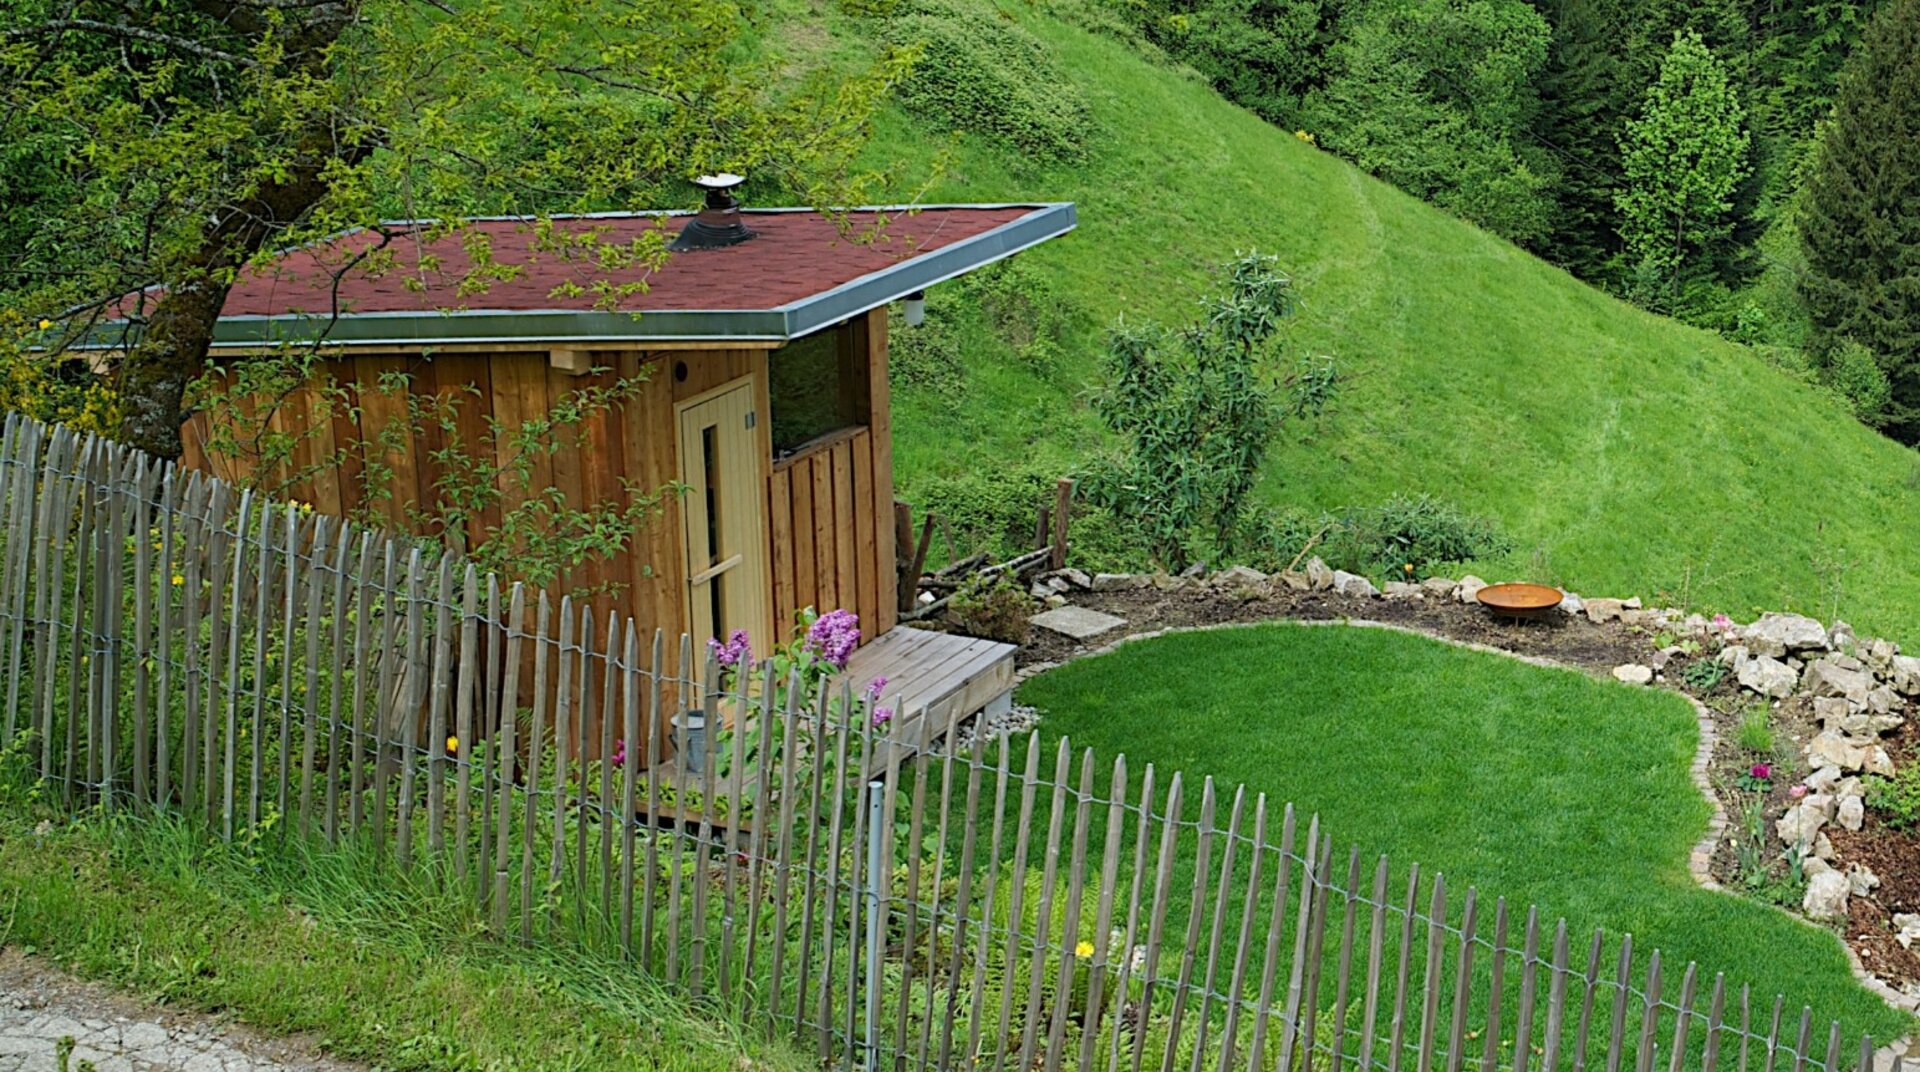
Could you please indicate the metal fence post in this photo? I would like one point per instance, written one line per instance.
(876, 859)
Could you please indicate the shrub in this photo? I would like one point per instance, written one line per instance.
(1897, 798)
(926, 357)
(992, 610)
(979, 73)
(1196, 410)
(1851, 372)
(990, 509)
(1416, 530)
(1101, 541)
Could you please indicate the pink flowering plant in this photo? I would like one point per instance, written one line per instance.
(819, 649)
(1758, 778)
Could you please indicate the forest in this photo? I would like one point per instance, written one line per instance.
(1748, 166)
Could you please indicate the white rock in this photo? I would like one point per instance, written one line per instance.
(1353, 585)
(1318, 574)
(1833, 749)
(1832, 677)
(1852, 812)
(1825, 804)
(1295, 580)
(1827, 896)
(1601, 611)
(1814, 865)
(1824, 779)
(1076, 578)
(1468, 589)
(1907, 929)
(1822, 847)
(1734, 655)
(1779, 634)
(1840, 637)
(1878, 762)
(1905, 672)
(1111, 582)
(1403, 590)
(1800, 825)
(1768, 677)
(1862, 880)
(1439, 587)
(1633, 674)
(1239, 575)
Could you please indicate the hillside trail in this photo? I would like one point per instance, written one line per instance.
(41, 1005)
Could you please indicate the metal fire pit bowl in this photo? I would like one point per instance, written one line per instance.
(1520, 600)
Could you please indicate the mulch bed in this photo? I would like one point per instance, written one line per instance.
(1574, 641)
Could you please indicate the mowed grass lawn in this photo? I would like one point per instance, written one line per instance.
(1541, 786)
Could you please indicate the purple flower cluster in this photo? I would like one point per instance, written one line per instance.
(735, 654)
(1761, 772)
(833, 636)
(876, 687)
(882, 716)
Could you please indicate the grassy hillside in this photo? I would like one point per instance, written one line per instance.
(1623, 452)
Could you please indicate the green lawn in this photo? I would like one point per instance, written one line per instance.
(377, 966)
(1541, 786)
(1624, 453)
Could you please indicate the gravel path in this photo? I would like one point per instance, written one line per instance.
(40, 1006)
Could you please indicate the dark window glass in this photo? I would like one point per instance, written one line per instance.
(811, 389)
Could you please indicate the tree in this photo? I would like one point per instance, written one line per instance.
(1195, 414)
(186, 139)
(1860, 223)
(1682, 161)
(1436, 97)
(1265, 55)
(1586, 95)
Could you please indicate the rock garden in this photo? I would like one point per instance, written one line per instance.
(1809, 746)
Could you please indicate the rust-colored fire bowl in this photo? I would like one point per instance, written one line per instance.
(1520, 600)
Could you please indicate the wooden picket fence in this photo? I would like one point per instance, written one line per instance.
(172, 643)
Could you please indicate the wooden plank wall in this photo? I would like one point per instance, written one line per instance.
(342, 431)
(830, 507)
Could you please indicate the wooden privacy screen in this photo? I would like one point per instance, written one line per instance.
(822, 510)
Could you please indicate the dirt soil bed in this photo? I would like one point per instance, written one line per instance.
(1562, 638)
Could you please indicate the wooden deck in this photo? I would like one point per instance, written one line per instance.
(933, 680)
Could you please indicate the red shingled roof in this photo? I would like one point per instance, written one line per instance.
(797, 255)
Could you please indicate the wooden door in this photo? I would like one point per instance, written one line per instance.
(723, 508)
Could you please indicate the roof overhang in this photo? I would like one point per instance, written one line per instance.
(582, 329)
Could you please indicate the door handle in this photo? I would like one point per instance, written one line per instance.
(715, 570)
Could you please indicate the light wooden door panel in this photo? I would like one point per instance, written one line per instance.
(723, 516)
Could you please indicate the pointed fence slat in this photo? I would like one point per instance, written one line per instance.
(173, 642)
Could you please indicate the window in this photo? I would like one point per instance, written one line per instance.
(814, 388)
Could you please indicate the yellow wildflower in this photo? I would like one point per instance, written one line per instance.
(179, 581)
(453, 744)
(1084, 950)
(1305, 135)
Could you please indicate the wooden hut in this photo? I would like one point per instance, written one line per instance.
(761, 351)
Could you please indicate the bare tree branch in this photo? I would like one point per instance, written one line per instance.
(125, 32)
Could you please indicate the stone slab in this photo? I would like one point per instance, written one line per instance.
(1077, 622)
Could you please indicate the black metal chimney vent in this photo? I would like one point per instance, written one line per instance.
(718, 224)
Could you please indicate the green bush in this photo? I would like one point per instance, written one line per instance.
(1851, 372)
(990, 510)
(1897, 798)
(926, 357)
(1416, 530)
(979, 73)
(1102, 541)
(992, 610)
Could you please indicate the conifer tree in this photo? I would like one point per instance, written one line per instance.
(1585, 97)
(1861, 212)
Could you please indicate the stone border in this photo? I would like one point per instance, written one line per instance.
(1699, 858)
